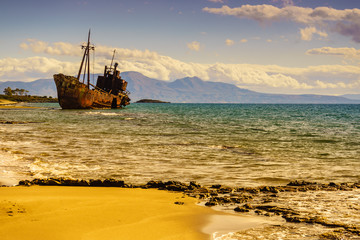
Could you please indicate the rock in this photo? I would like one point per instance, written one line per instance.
(95, 183)
(211, 203)
(176, 188)
(300, 183)
(225, 190)
(113, 183)
(155, 184)
(194, 185)
(269, 189)
(24, 183)
(244, 208)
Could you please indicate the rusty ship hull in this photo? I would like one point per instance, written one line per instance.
(73, 94)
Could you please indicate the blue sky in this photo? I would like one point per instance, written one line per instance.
(275, 46)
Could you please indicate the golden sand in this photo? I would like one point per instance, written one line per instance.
(98, 213)
(6, 104)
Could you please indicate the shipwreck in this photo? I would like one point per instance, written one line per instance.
(109, 91)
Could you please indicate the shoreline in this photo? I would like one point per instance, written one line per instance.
(287, 207)
(7, 104)
(76, 212)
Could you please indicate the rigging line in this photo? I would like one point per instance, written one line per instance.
(93, 62)
(86, 63)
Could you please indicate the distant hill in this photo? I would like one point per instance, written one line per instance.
(352, 96)
(189, 89)
(41, 87)
(195, 90)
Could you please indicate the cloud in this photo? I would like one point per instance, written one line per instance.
(229, 42)
(244, 40)
(58, 48)
(255, 77)
(307, 33)
(195, 45)
(347, 21)
(68, 49)
(347, 53)
(216, 1)
(265, 12)
(32, 68)
(352, 30)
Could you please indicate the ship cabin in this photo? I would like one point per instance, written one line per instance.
(111, 82)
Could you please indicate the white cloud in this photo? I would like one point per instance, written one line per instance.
(216, 1)
(347, 21)
(195, 45)
(229, 42)
(32, 68)
(58, 48)
(307, 33)
(265, 12)
(347, 53)
(256, 77)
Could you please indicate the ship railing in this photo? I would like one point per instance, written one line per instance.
(97, 88)
(102, 90)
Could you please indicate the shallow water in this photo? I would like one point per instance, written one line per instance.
(231, 144)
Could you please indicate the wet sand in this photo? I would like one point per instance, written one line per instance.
(6, 104)
(57, 212)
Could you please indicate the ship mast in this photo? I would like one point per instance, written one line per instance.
(112, 60)
(86, 57)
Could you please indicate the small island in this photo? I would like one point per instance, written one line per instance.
(150, 101)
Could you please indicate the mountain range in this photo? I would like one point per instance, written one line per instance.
(190, 90)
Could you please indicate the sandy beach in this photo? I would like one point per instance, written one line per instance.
(51, 212)
(98, 213)
(6, 104)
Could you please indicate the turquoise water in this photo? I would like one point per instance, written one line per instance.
(231, 144)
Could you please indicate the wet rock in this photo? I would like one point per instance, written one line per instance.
(332, 184)
(216, 186)
(155, 184)
(213, 193)
(24, 183)
(331, 236)
(243, 208)
(113, 183)
(176, 186)
(194, 185)
(203, 195)
(225, 190)
(211, 203)
(72, 182)
(300, 183)
(285, 212)
(95, 183)
(269, 189)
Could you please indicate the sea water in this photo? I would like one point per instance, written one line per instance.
(230, 144)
